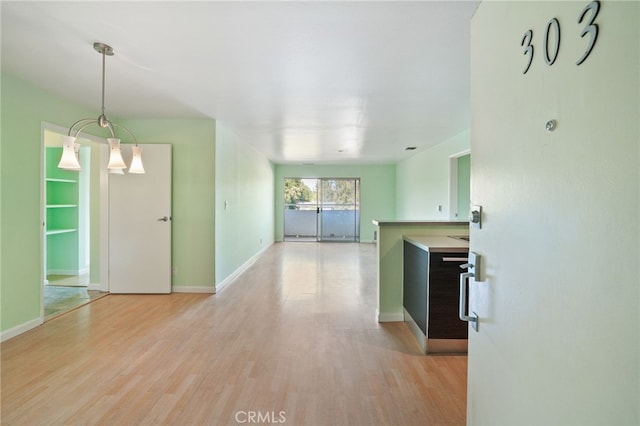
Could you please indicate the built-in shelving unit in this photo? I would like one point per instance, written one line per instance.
(62, 199)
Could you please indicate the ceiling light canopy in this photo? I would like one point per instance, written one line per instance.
(69, 160)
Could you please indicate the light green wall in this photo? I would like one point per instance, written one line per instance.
(24, 108)
(251, 184)
(193, 193)
(377, 192)
(422, 181)
(244, 202)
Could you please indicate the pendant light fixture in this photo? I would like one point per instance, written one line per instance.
(69, 160)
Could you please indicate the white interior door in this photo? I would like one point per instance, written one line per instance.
(559, 332)
(140, 224)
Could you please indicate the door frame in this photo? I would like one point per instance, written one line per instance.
(103, 284)
(453, 184)
(318, 206)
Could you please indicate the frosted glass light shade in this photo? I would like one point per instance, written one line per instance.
(69, 160)
(136, 161)
(115, 156)
(116, 171)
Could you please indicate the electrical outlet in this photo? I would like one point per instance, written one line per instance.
(174, 271)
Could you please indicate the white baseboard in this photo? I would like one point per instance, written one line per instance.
(19, 329)
(389, 316)
(193, 289)
(246, 265)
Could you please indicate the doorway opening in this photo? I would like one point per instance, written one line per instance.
(72, 226)
(322, 209)
(460, 185)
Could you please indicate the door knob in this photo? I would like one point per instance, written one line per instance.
(163, 219)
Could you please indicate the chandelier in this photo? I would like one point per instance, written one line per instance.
(70, 148)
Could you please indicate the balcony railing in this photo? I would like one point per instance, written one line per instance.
(335, 222)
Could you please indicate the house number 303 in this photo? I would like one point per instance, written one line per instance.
(551, 45)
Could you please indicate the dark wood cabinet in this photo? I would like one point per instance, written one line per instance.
(444, 296)
(431, 296)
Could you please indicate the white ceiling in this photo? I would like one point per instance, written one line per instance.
(322, 82)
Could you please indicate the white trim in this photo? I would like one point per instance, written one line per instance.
(461, 153)
(193, 289)
(19, 329)
(235, 274)
(43, 219)
(390, 316)
(453, 183)
(453, 188)
(104, 209)
(104, 219)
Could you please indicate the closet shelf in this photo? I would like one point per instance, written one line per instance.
(60, 231)
(60, 206)
(61, 180)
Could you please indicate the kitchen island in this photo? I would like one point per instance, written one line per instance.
(390, 235)
(431, 268)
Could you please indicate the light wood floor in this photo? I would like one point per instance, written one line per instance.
(294, 338)
(59, 300)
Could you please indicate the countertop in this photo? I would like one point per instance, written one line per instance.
(418, 222)
(438, 243)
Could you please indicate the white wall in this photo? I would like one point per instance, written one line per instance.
(422, 181)
(559, 333)
(244, 203)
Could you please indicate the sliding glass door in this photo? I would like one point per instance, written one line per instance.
(322, 209)
(339, 212)
(300, 209)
